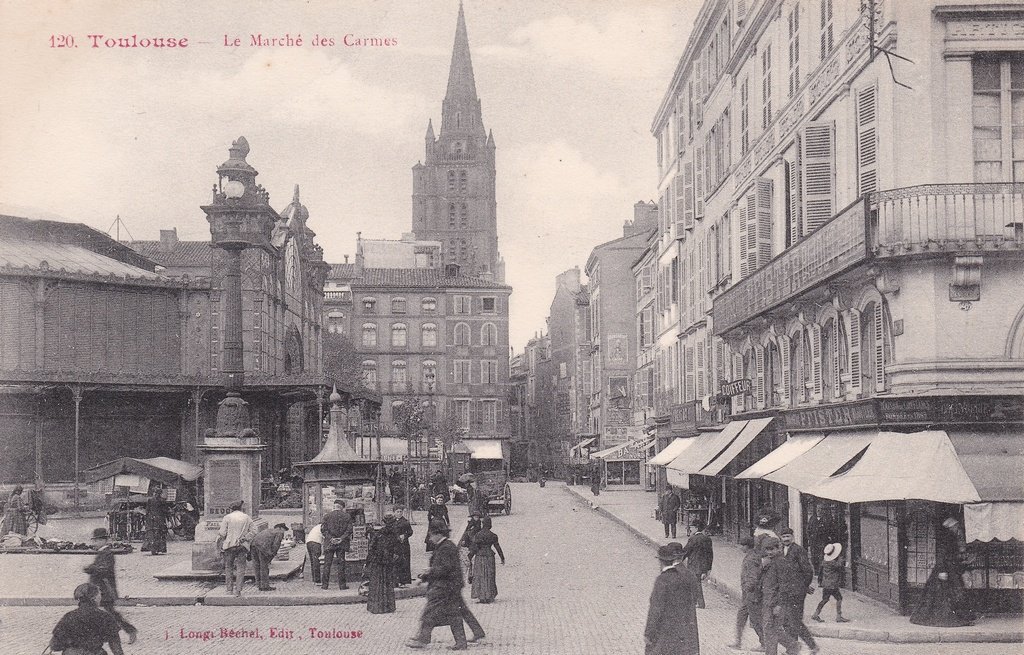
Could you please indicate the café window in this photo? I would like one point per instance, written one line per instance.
(998, 117)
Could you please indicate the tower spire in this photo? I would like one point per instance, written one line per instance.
(460, 111)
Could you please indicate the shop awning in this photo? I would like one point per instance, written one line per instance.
(993, 461)
(161, 469)
(677, 479)
(577, 450)
(988, 521)
(821, 460)
(749, 432)
(794, 447)
(896, 466)
(631, 451)
(671, 451)
(484, 448)
(707, 446)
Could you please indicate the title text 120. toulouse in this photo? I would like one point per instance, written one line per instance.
(131, 41)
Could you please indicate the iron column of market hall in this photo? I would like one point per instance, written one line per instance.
(240, 217)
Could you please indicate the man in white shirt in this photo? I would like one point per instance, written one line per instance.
(314, 546)
(236, 532)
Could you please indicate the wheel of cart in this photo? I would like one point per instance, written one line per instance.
(508, 499)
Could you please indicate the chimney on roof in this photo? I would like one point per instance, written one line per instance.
(168, 239)
(346, 259)
(451, 270)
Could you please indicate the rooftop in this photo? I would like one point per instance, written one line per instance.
(431, 278)
(179, 253)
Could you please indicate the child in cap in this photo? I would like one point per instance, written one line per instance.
(831, 577)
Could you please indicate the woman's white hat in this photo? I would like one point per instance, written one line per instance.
(833, 551)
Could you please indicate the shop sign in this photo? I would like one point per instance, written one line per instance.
(737, 388)
(682, 416)
(618, 418)
(952, 410)
(832, 416)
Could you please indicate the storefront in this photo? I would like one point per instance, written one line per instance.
(621, 465)
(871, 476)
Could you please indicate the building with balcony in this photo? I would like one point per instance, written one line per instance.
(848, 194)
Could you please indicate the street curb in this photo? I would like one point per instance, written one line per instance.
(218, 601)
(848, 633)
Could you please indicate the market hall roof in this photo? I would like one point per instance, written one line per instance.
(180, 253)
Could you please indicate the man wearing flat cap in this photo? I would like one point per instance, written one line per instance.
(337, 531)
(445, 604)
(88, 628)
(235, 536)
(672, 617)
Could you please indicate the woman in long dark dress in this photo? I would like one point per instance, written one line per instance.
(14, 513)
(485, 543)
(944, 602)
(380, 567)
(156, 523)
(466, 545)
(438, 512)
(403, 567)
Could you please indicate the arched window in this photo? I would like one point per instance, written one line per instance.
(749, 373)
(772, 375)
(429, 374)
(428, 335)
(463, 215)
(828, 361)
(462, 336)
(369, 368)
(457, 148)
(451, 180)
(843, 359)
(429, 305)
(399, 371)
(336, 322)
(463, 181)
(875, 353)
(399, 335)
(488, 335)
(369, 334)
(451, 214)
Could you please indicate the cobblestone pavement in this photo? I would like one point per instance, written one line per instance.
(575, 583)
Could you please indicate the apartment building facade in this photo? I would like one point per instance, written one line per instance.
(840, 237)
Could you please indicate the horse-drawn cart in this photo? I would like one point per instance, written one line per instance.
(494, 492)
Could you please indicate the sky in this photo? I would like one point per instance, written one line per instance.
(569, 89)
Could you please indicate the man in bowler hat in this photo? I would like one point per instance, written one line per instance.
(672, 616)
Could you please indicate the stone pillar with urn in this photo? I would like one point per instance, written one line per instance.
(240, 217)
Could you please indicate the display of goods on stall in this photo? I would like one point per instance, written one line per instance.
(13, 543)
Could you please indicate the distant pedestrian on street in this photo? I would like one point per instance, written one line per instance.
(14, 513)
(669, 512)
(750, 585)
(381, 558)
(314, 548)
(445, 604)
(595, 484)
(776, 576)
(485, 544)
(403, 530)
(831, 578)
(103, 573)
(84, 631)
(337, 531)
(672, 616)
(264, 549)
(699, 551)
(439, 486)
(944, 602)
(234, 537)
(438, 512)
(473, 526)
(156, 522)
(798, 589)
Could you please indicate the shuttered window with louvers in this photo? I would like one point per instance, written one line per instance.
(867, 140)
(818, 164)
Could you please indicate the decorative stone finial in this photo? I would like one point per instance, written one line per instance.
(335, 396)
(239, 148)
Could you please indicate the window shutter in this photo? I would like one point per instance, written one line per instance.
(701, 381)
(867, 140)
(759, 381)
(737, 374)
(741, 10)
(853, 335)
(795, 222)
(879, 334)
(679, 190)
(699, 182)
(787, 373)
(816, 361)
(837, 377)
(819, 174)
(698, 100)
(687, 196)
(763, 188)
(720, 364)
(689, 373)
(702, 281)
(744, 238)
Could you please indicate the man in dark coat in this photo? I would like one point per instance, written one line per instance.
(669, 512)
(777, 583)
(800, 586)
(445, 604)
(102, 573)
(672, 616)
(439, 486)
(264, 549)
(403, 530)
(88, 628)
(699, 552)
(156, 522)
(337, 530)
(750, 585)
